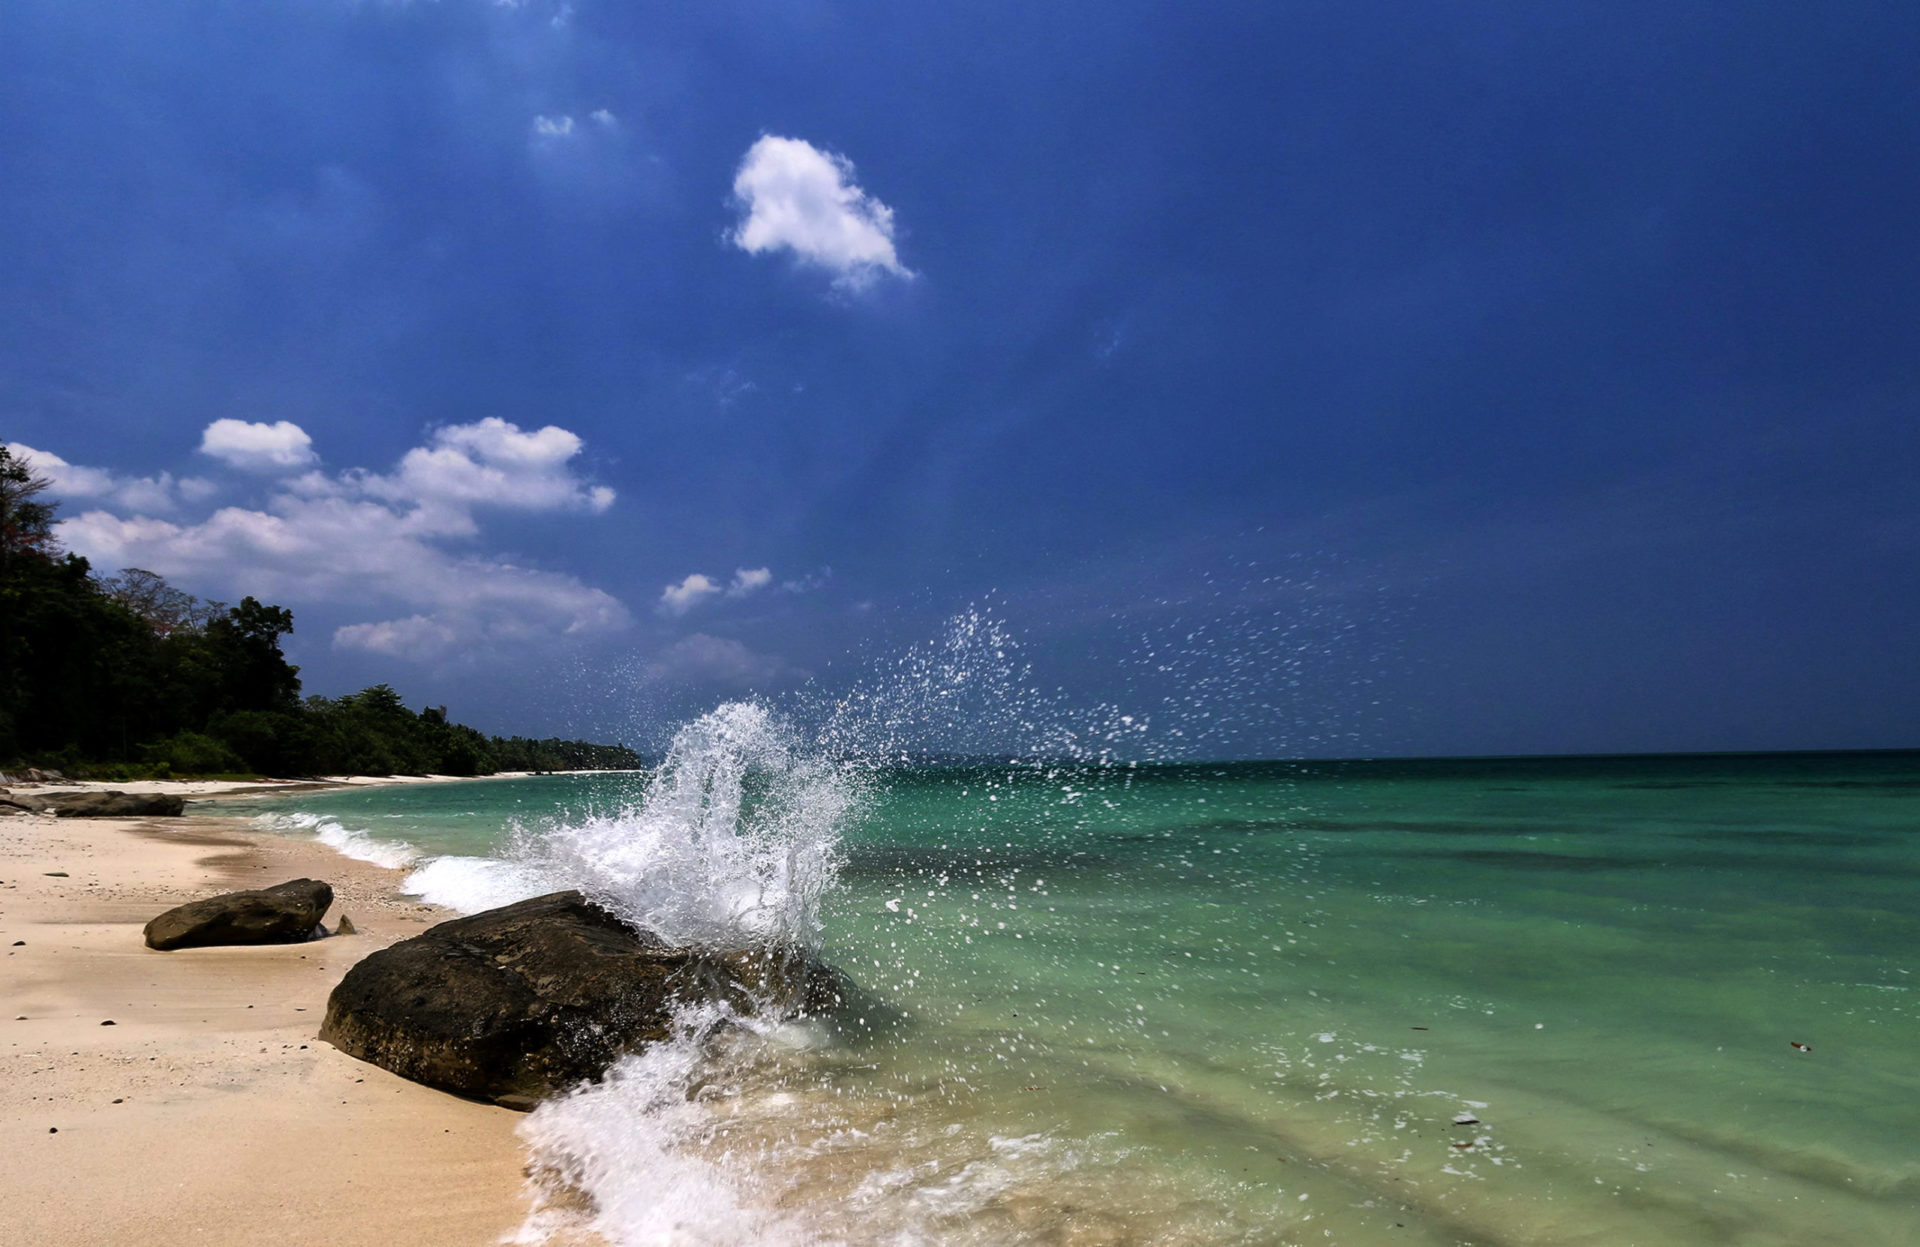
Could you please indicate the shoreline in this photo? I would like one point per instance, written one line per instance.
(219, 789)
(208, 1112)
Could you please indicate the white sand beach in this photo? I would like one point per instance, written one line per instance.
(181, 1097)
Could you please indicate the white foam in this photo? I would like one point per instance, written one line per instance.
(471, 884)
(628, 1143)
(351, 842)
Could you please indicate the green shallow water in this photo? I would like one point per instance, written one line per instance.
(1212, 1003)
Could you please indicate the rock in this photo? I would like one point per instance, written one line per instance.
(284, 914)
(346, 927)
(113, 804)
(20, 803)
(519, 1003)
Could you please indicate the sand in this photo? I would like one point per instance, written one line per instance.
(208, 1112)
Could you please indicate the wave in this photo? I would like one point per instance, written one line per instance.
(362, 846)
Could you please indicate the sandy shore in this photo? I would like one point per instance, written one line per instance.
(208, 1113)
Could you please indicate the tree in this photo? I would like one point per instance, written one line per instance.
(164, 608)
(255, 675)
(26, 526)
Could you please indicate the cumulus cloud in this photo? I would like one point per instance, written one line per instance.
(689, 593)
(795, 197)
(278, 447)
(160, 492)
(383, 540)
(747, 580)
(553, 127)
(704, 659)
(489, 464)
(678, 599)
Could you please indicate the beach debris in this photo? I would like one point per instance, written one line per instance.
(346, 927)
(1466, 1145)
(1466, 1119)
(283, 914)
(516, 1004)
(57, 874)
(1801, 1046)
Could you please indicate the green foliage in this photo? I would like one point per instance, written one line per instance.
(190, 753)
(129, 676)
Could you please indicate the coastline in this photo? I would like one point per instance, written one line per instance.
(208, 1112)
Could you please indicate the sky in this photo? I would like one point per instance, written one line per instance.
(1372, 378)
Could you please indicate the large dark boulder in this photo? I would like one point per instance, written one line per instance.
(284, 914)
(515, 1004)
(112, 804)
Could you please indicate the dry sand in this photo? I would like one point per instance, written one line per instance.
(208, 1113)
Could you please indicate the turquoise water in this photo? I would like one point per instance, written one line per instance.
(1247, 1003)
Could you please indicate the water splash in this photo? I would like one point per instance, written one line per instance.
(734, 842)
(731, 845)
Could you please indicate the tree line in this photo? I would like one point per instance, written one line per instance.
(126, 674)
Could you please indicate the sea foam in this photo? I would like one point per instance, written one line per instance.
(351, 842)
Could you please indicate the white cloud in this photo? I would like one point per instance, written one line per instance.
(553, 127)
(161, 492)
(278, 447)
(689, 593)
(704, 659)
(680, 598)
(488, 464)
(746, 580)
(798, 198)
(604, 117)
(374, 541)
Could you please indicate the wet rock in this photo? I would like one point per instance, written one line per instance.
(515, 1004)
(284, 914)
(113, 804)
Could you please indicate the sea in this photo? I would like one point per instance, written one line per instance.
(1599, 1000)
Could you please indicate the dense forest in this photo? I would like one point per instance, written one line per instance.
(127, 675)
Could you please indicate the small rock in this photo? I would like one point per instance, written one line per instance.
(1466, 1119)
(108, 1022)
(56, 874)
(283, 914)
(346, 927)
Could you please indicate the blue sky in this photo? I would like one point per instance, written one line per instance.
(1305, 378)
